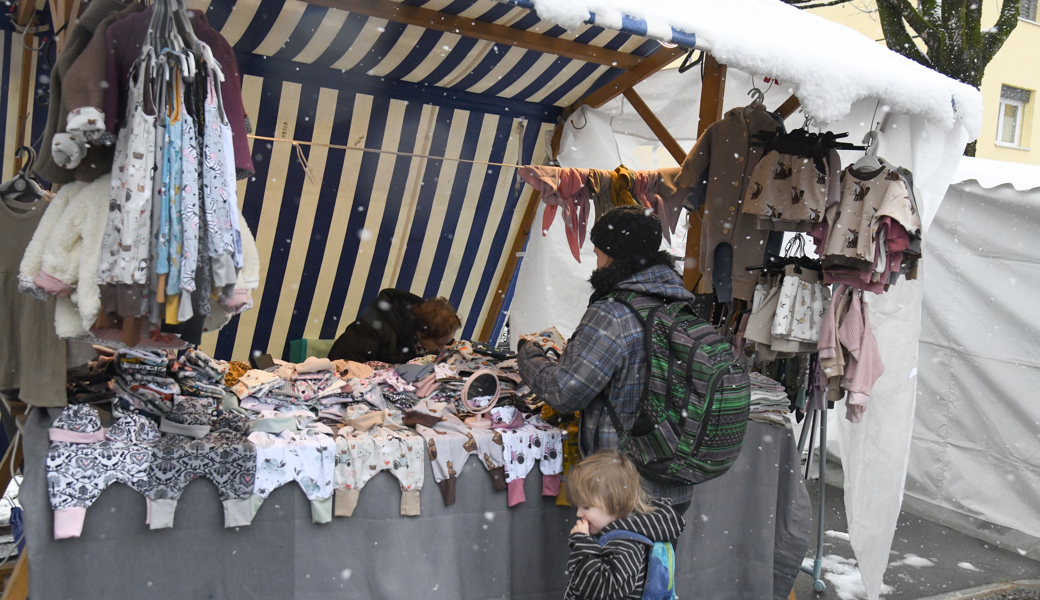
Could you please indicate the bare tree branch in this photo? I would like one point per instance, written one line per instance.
(994, 39)
(922, 26)
(896, 34)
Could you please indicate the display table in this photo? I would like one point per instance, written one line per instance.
(746, 535)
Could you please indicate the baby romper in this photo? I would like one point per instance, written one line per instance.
(78, 471)
(403, 454)
(450, 442)
(217, 195)
(535, 441)
(224, 456)
(126, 242)
(309, 457)
(360, 455)
(357, 460)
(550, 462)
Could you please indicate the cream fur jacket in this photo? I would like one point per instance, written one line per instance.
(65, 248)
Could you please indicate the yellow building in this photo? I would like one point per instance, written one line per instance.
(1010, 126)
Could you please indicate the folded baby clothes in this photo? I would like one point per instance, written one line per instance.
(77, 472)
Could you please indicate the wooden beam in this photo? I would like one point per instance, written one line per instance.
(647, 67)
(432, 19)
(512, 259)
(789, 106)
(656, 125)
(26, 9)
(17, 587)
(25, 17)
(713, 88)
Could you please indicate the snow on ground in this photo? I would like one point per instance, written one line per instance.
(967, 566)
(9, 500)
(912, 560)
(829, 65)
(841, 535)
(843, 576)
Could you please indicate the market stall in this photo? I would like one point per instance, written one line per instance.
(385, 143)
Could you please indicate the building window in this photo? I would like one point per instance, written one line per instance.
(1012, 107)
(1027, 10)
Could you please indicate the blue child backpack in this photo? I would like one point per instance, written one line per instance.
(660, 573)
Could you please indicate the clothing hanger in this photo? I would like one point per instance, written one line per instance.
(869, 161)
(22, 188)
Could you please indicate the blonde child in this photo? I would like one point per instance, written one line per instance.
(608, 491)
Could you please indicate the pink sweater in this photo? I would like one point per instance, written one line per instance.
(865, 366)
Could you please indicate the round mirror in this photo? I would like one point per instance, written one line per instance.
(479, 395)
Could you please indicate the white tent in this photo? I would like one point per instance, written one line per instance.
(843, 80)
(975, 457)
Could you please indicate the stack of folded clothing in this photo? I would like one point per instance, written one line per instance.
(769, 401)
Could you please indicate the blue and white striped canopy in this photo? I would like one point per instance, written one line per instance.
(372, 220)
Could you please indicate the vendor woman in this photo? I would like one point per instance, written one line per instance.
(398, 327)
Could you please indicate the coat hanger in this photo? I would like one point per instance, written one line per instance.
(869, 161)
(22, 187)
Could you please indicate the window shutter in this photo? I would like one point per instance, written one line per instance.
(1027, 10)
(1015, 94)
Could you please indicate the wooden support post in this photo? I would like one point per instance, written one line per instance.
(25, 17)
(788, 107)
(512, 259)
(63, 12)
(17, 587)
(656, 125)
(713, 88)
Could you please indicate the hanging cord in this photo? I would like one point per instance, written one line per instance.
(380, 151)
(303, 162)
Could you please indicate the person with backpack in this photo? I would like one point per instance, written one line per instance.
(674, 402)
(621, 546)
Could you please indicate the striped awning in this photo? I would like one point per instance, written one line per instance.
(377, 78)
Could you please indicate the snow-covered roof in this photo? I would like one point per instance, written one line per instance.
(828, 65)
(993, 173)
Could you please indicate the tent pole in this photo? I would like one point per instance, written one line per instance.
(511, 263)
(713, 89)
(656, 125)
(518, 242)
(501, 34)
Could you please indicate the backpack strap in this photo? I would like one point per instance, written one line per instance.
(622, 534)
(626, 298)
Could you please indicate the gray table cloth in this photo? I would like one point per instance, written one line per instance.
(746, 535)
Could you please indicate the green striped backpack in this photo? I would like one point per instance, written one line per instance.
(694, 408)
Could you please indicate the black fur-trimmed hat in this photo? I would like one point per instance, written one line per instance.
(628, 232)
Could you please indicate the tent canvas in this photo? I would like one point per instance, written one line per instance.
(973, 464)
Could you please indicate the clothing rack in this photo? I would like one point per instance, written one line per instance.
(818, 415)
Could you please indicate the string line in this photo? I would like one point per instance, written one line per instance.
(298, 143)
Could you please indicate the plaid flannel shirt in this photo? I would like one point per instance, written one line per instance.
(607, 352)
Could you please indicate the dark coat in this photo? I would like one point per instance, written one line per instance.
(385, 331)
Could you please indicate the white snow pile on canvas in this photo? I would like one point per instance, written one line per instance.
(829, 65)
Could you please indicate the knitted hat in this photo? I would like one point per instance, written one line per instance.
(132, 428)
(77, 424)
(189, 417)
(627, 232)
